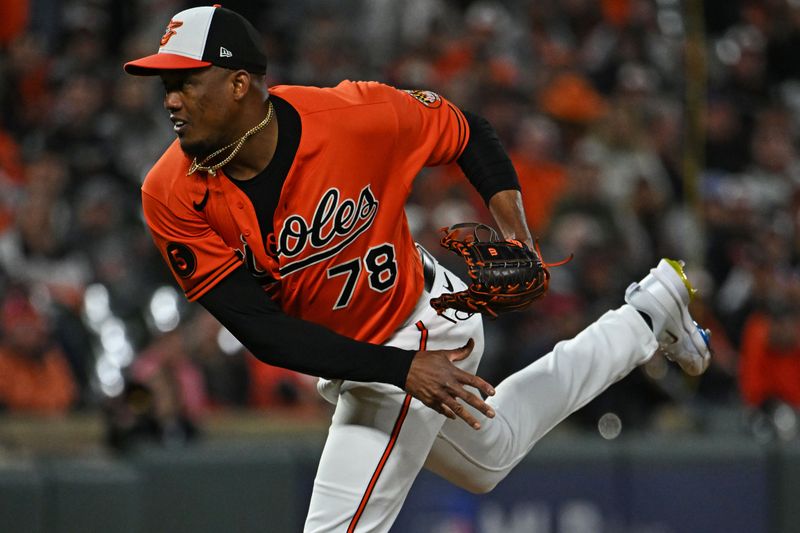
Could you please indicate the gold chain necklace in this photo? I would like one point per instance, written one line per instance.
(236, 145)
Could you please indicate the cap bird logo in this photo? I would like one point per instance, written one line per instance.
(171, 27)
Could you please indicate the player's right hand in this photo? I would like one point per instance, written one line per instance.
(434, 380)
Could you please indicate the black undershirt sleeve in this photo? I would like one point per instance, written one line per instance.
(241, 305)
(484, 160)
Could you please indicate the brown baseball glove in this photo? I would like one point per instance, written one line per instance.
(505, 275)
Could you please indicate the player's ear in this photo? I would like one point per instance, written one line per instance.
(241, 84)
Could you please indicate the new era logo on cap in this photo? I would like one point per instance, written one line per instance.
(204, 36)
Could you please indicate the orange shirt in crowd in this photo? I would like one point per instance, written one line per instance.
(765, 371)
(41, 385)
(543, 184)
(272, 386)
(13, 19)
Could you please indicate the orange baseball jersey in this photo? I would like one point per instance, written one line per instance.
(342, 254)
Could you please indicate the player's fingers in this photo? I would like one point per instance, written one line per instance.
(476, 402)
(446, 411)
(474, 381)
(462, 412)
(461, 353)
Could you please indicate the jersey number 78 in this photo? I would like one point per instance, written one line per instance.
(380, 265)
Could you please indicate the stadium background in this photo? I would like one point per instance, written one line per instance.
(640, 129)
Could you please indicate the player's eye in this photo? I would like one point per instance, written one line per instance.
(177, 84)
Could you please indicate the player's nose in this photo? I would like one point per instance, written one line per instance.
(172, 101)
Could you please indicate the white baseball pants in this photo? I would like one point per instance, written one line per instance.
(380, 437)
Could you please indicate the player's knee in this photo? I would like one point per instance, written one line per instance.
(481, 484)
(483, 488)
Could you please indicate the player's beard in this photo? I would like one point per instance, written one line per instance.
(201, 148)
(198, 149)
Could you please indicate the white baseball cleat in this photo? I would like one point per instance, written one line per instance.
(664, 296)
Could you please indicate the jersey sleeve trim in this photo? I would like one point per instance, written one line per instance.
(463, 130)
(209, 283)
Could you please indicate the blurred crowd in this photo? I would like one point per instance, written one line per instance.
(639, 129)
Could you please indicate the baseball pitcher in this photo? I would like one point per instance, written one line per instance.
(281, 211)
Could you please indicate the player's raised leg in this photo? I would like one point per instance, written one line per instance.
(532, 401)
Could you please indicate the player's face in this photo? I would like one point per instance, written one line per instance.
(199, 107)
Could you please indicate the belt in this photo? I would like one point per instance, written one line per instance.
(428, 267)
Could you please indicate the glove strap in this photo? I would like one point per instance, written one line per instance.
(475, 226)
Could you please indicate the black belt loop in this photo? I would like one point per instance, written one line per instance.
(428, 267)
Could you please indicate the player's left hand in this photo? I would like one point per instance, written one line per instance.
(505, 275)
(434, 380)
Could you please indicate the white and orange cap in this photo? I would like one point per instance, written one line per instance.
(205, 36)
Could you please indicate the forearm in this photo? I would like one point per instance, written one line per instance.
(506, 208)
(281, 340)
(489, 169)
